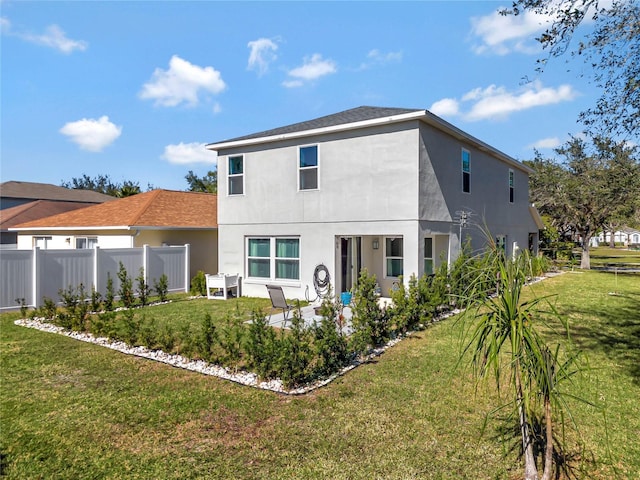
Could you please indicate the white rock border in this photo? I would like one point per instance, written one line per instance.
(242, 377)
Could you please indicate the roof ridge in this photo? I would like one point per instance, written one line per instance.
(152, 195)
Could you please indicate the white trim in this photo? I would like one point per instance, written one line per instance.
(423, 115)
(318, 131)
(90, 228)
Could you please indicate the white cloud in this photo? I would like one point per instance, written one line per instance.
(90, 134)
(183, 82)
(446, 107)
(53, 37)
(187, 153)
(5, 26)
(261, 55)
(497, 103)
(313, 68)
(376, 57)
(502, 34)
(546, 143)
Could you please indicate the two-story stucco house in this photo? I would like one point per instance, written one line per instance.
(381, 188)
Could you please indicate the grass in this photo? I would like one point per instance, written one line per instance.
(603, 256)
(74, 410)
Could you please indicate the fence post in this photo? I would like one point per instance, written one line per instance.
(35, 277)
(145, 262)
(187, 276)
(96, 264)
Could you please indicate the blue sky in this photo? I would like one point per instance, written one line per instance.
(135, 89)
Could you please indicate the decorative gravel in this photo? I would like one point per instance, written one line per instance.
(242, 377)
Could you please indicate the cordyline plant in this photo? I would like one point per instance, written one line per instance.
(505, 344)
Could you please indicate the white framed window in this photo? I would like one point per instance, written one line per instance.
(394, 256)
(236, 175)
(41, 242)
(308, 168)
(273, 258)
(86, 242)
(511, 187)
(428, 256)
(466, 171)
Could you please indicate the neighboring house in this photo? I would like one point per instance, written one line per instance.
(629, 237)
(18, 193)
(26, 201)
(376, 188)
(155, 218)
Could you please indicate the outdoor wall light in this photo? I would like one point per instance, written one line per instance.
(376, 244)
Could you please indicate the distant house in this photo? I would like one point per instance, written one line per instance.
(629, 237)
(392, 190)
(15, 193)
(26, 201)
(155, 218)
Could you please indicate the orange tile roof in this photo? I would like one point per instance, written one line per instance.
(157, 208)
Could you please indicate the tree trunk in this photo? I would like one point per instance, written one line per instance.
(585, 261)
(530, 469)
(548, 454)
(612, 240)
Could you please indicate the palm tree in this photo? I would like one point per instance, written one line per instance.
(504, 336)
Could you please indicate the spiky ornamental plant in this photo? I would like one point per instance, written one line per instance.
(504, 337)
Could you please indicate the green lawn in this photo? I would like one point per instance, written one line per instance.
(614, 256)
(75, 410)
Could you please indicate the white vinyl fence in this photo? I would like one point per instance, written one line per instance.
(36, 274)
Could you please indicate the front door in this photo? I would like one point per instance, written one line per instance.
(350, 262)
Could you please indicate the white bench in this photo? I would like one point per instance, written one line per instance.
(223, 282)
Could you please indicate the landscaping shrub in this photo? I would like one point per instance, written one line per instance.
(296, 353)
(23, 307)
(330, 346)
(76, 308)
(143, 288)
(109, 296)
(96, 299)
(162, 287)
(230, 339)
(199, 284)
(208, 339)
(370, 322)
(126, 287)
(166, 338)
(262, 347)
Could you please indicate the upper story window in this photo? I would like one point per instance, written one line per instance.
(395, 257)
(466, 171)
(236, 175)
(308, 168)
(511, 187)
(86, 242)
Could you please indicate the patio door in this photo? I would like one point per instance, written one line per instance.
(350, 262)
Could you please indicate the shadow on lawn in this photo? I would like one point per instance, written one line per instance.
(612, 327)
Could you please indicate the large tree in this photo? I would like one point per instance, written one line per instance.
(207, 183)
(609, 43)
(585, 188)
(103, 184)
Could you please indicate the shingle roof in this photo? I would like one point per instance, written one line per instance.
(358, 114)
(46, 191)
(157, 208)
(28, 212)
